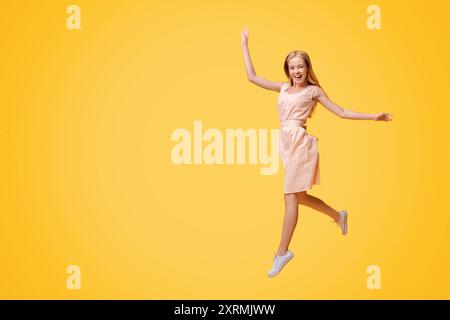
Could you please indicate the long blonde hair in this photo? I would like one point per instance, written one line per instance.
(311, 79)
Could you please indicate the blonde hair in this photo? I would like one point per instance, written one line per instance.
(311, 78)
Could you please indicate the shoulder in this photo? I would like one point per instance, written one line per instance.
(284, 86)
(316, 92)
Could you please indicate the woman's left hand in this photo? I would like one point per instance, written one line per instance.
(383, 116)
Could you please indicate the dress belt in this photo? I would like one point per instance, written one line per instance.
(293, 122)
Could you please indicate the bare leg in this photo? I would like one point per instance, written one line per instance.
(289, 223)
(317, 204)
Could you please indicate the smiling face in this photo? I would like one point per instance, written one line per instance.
(298, 71)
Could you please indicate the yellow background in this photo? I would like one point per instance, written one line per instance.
(87, 179)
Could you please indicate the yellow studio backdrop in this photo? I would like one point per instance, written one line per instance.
(87, 177)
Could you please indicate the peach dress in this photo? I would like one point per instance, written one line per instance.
(298, 149)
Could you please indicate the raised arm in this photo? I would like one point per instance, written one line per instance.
(251, 74)
(322, 97)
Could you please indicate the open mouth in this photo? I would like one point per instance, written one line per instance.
(298, 77)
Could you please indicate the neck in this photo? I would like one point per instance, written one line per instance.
(300, 85)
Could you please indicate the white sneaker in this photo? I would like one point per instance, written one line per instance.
(342, 222)
(279, 262)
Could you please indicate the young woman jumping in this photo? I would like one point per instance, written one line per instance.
(298, 150)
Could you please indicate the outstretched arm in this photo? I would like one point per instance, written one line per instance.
(321, 96)
(251, 74)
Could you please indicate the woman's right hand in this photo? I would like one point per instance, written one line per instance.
(244, 37)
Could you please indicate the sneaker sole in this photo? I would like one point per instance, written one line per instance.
(282, 266)
(345, 223)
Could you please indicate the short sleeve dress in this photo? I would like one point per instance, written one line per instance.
(298, 149)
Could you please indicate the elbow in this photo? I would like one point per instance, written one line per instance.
(343, 114)
(251, 78)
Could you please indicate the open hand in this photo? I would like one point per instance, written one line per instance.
(244, 36)
(383, 116)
